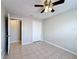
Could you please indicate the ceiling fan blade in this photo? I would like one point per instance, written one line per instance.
(58, 2)
(38, 5)
(52, 10)
(42, 10)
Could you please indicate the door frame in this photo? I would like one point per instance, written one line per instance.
(14, 18)
(6, 34)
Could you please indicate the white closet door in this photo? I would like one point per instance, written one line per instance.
(37, 31)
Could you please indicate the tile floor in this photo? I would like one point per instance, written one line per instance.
(38, 50)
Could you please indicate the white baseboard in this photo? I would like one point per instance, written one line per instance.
(14, 42)
(27, 43)
(24, 43)
(60, 47)
(30, 42)
(2, 54)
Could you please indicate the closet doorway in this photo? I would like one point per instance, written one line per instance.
(16, 30)
(13, 32)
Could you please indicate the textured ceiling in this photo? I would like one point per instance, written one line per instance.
(25, 8)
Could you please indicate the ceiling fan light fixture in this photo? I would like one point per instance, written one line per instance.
(48, 5)
(46, 8)
(50, 8)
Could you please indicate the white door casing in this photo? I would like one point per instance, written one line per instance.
(8, 33)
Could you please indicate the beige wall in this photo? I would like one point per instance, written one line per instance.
(62, 30)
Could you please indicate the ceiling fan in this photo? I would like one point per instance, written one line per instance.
(48, 5)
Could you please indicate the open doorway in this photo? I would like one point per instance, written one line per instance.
(15, 31)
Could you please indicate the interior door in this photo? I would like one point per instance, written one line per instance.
(7, 30)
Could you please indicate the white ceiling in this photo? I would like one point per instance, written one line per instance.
(25, 8)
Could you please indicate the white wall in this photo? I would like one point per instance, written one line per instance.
(3, 14)
(27, 30)
(14, 31)
(62, 30)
